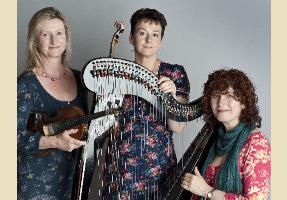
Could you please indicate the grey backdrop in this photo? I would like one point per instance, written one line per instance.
(202, 35)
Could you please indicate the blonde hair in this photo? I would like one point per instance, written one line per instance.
(48, 13)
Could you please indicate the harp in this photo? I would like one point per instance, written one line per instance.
(112, 78)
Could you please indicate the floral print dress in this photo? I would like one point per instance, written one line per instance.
(142, 155)
(50, 177)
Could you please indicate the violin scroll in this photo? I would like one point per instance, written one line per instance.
(120, 26)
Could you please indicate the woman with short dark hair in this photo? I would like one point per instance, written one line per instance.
(145, 153)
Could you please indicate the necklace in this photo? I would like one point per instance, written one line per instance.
(52, 78)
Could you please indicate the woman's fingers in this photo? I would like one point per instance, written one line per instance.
(68, 143)
(166, 85)
(186, 181)
(70, 131)
(78, 143)
(195, 183)
(162, 79)
(196, 172)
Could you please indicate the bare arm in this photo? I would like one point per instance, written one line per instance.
(167, 85)
(176, 126)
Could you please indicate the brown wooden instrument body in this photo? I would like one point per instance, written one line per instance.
(39, 122)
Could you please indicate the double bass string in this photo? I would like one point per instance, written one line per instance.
(105, 76)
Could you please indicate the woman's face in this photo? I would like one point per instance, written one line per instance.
(226, 108)
(51, 37)
(146, 38)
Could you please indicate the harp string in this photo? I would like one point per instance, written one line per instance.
(112, 78)
(122, 84)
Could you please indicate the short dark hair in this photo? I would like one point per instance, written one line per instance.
(147, 14)
(219, 81)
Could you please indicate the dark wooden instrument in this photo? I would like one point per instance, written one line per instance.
(115, 40)
(194, 156)
(86, 164)
(66, 118)
(116, 76)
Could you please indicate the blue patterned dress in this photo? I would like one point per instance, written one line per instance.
(143, 153)
(50, 177)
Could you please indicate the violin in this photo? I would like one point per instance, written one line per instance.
(66, 118)
(83, 187)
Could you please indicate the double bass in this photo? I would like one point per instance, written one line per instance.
(116, 76)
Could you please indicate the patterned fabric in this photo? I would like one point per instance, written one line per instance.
(229, 143)
(49, 177)
(255, 169)
(142, 155)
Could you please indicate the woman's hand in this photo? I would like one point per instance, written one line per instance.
(61, 141)
(68, 143)
(195, 183)
(167, 85)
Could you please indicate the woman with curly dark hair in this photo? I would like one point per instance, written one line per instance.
(238, 165)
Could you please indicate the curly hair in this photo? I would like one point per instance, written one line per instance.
(33, 55)
(147, 14)
(219, 82)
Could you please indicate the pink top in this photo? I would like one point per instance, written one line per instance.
(255, 169)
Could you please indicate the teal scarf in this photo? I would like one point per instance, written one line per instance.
(229, 143)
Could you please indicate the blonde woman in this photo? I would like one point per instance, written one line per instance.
(47, 85)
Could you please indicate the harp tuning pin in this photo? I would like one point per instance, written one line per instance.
(109, 104)
(117, 102)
